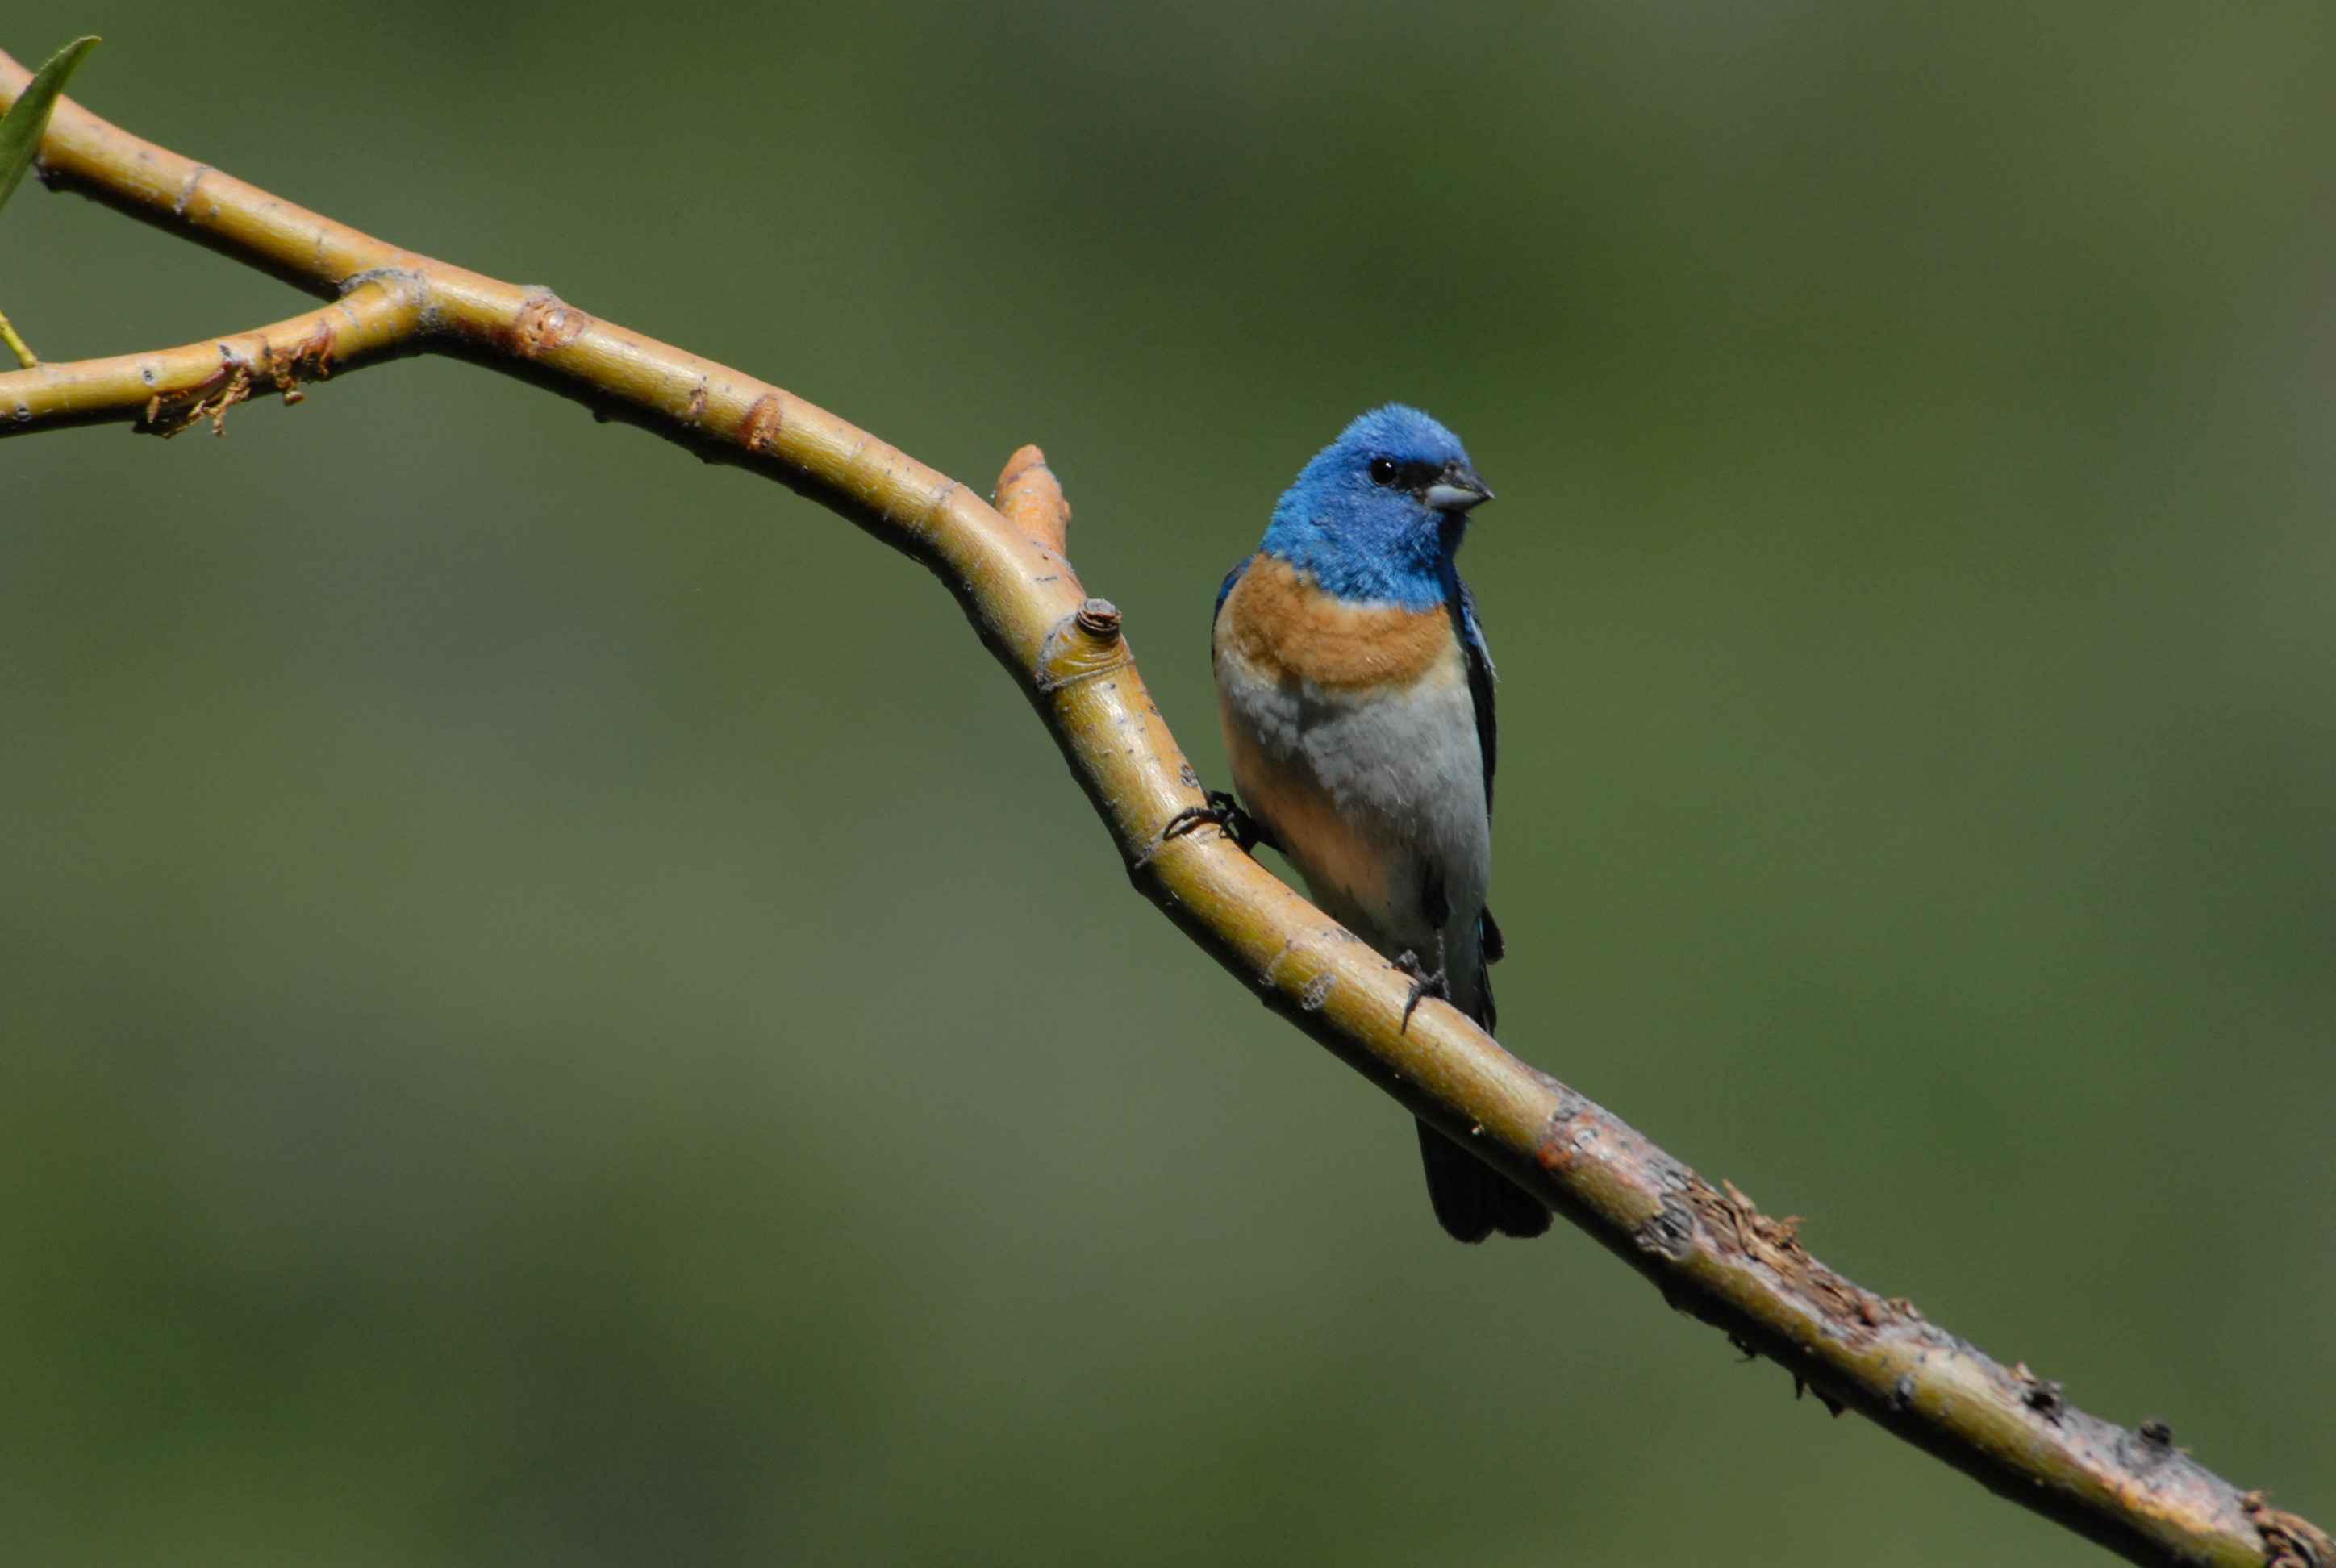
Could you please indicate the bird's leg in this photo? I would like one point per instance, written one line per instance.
(1425, 982)
(1225, 811)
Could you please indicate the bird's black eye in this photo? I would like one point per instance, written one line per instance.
(1383, 471)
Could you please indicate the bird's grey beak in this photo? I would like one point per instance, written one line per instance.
(1457, 488)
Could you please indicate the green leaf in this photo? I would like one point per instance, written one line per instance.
(21, 127)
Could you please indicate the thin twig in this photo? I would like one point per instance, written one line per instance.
(17, 345)
(1709, 1251)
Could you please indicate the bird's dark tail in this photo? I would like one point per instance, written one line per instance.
(1471, 1199)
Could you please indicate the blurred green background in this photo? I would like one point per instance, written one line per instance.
(555, 1010)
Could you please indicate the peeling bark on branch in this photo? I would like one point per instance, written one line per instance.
(1709, 1251)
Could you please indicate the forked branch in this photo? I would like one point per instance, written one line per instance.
(1707, 1250)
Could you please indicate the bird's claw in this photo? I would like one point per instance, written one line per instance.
(1424, 983)
(1227, 815)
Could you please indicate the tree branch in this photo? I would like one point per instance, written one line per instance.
(1707, 1250)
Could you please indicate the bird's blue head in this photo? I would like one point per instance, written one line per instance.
(1379, 512)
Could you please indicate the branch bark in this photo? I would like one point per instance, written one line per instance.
(1708, 1250)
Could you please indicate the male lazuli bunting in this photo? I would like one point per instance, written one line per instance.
(1356, 694)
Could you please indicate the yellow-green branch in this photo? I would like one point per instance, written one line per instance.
(1707, 1250)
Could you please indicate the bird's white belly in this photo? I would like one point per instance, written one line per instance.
(1375, 795)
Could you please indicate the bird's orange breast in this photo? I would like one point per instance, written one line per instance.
(1284, 628)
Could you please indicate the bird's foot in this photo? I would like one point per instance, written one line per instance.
(1227, 815)
(1424, 983)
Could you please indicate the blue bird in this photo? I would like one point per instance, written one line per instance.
(1356, 694)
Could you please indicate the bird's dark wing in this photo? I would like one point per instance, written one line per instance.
(1488, 740)
(1480, 679)
(1488, 933)
(1225, 591)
